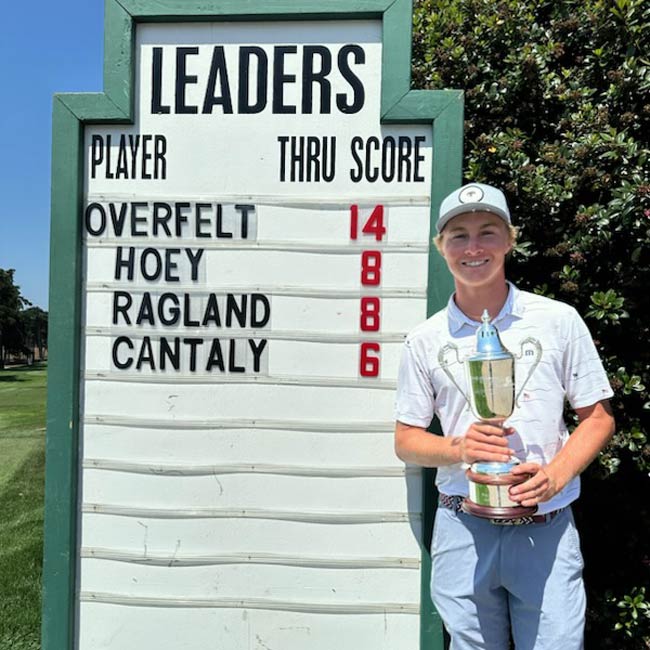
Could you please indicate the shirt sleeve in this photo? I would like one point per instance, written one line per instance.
(585, 379)
(414, 404)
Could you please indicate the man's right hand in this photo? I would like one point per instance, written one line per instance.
(485, 441)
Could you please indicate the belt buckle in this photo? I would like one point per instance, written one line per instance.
(530, 519)
(515, 521)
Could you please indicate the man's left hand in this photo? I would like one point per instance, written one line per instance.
(540, 487)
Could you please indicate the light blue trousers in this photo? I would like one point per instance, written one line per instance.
(488, 580)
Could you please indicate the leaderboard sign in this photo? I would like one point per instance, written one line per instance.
(240, 242)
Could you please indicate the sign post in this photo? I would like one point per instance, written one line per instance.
(241, 238)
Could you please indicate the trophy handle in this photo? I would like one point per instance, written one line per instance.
(538, 357)
(442, 360)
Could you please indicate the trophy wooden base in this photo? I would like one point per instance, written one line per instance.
(488, 512)
(489, 495)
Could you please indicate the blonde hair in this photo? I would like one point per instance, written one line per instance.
(513, 232)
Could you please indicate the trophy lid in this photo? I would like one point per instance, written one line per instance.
(488, 343)
(493, 467)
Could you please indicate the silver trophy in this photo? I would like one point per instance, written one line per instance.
(490, 374)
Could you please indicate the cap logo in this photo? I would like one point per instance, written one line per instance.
(471, 194)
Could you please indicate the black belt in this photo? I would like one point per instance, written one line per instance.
(454, 502)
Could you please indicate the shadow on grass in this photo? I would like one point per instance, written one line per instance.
(12, 373)
(9, 378)
(39, 365)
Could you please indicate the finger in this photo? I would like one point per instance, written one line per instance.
(480, 448)
(487, 437)
(526, 468)
(530, 489)
(490, 429)
(487, 456)
(495, 421)
(479, 452)
(534, 501)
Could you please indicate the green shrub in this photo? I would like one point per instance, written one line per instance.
(557, 110)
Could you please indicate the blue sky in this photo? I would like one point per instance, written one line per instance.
(46, 47)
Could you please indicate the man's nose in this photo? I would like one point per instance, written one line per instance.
(473, 246)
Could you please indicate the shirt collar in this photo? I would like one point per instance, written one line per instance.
(513, 306)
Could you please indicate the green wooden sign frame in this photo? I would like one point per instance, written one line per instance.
(442, 110)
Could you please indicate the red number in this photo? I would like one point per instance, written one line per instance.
(368, 364)
(354, 221)
(370, 316)
(373, 226)
(371, 268)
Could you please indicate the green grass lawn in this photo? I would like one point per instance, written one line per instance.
(22, 463)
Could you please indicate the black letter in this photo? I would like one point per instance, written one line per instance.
(218, 68)
(174, 312)
(170, 265)
(187, 321)
(216, 356)
(146, 310)
(309, 77)
(150, 252)
(161, 220)
(279, 78)
(244, 209)
(419, 157)
(136, 220)
(102, 222)
(372, 140)
(194, 261)
(160, 149)
(166, 352)
(262, 82)
(354, 81)
(257, 352)
(260, 321)
(146, 354)
(183, 79)
(357, 143)
(193, 343)
(156, 82)
(180, 217)
(129, 263)
(283, 139)
(232, 367)
(118, 221)
(212, 313)
(116, 362)
(124, 308)
(233, 308)
(200, 221)
(97, 153)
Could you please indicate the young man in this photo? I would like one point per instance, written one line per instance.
(524, 576)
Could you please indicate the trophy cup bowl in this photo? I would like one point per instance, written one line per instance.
(490, 374)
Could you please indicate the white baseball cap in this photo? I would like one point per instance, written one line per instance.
(474, 197)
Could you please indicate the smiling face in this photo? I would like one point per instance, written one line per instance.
(474, 246)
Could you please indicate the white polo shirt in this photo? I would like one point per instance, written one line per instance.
(569, 368)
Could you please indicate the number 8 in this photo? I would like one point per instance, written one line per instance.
(371, 268)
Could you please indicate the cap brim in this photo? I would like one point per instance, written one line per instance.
(470, 207)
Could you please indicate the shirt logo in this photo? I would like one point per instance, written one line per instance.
(471, 194)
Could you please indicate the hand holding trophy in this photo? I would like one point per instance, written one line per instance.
(491, 380)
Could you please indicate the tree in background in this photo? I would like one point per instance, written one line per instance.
(22, 326)
(557, 109)
(34, 324)
(11, 304)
